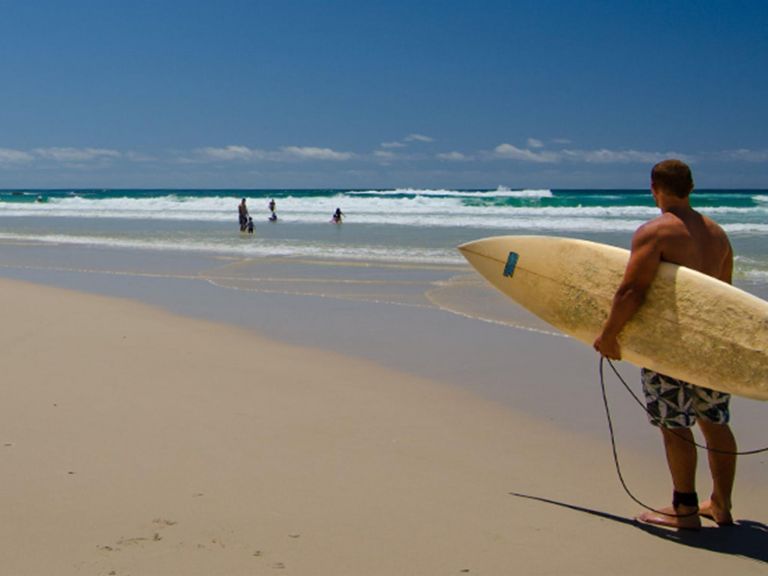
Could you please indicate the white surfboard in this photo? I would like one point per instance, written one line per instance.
(691, 326)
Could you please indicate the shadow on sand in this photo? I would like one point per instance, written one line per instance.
(746, 538)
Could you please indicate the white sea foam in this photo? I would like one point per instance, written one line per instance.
(500, 192)
(409, 225)
(418, 210)
(251, 247)
(746, 228)
(387, 209)
(422, 209)
(760, 276)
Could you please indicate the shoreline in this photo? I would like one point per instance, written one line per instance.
(431, 322)
(147, 441)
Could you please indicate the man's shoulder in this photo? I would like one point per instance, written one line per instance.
(668, 224)
(659, 233)
(657, 225)
(713, 226)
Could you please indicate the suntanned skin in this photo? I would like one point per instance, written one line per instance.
(682, 236)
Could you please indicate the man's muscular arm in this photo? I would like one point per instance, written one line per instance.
(726, 273)
(641, 269)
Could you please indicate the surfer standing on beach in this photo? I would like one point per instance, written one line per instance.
(682, 236)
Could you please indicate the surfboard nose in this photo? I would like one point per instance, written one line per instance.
(487, 258)
(499, 248)
(474, 252)
(466, 247)
(475, 247)
(494, 247)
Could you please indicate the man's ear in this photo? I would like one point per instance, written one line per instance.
(657, 192)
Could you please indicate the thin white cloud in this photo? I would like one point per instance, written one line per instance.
(385, 157)
(418, 138)
(744, 155)
(244, 153)
(139, 157)
(313, 153)
(510, 152)
(10, 156)
(393, 145)
(407, 141)
(229, 153)
(63, 154)
(605, 156)
(453, 156)
(598, 156)
(534, 151)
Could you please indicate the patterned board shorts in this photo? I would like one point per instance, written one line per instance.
(673, 403)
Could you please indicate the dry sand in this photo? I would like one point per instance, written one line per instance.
(138, 442)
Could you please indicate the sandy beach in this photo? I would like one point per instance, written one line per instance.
(238, 337)
(140, 441)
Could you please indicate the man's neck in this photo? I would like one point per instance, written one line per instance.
(674, 204)
(678, 209)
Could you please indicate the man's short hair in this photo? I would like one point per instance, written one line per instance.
(672, 176)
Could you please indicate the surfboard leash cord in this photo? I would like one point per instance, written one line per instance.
(642, 405)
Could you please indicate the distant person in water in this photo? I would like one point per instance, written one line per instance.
(250, 225)
(273, 215)
(337, 216)
(243, 215)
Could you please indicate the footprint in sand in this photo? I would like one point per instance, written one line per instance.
(159, 523)
(131, 541)
(162, 522)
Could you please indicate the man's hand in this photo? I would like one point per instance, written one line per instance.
(608, 346)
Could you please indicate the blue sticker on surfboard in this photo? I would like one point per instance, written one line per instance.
(509, 268)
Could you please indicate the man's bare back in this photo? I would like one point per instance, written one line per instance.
(690, 239)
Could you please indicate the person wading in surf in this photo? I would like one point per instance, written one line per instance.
(682, 236)
(242, 215)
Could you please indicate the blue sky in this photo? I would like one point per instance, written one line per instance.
(389, 93)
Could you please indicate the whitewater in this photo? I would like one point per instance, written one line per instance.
(406, 225)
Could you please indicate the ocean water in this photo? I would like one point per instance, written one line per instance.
(405, 226)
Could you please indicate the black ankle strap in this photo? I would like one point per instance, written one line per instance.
(689, 499)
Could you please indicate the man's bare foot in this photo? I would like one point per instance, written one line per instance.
(684, 518)
(710, 510)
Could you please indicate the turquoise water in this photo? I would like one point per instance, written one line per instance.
(408, 226)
